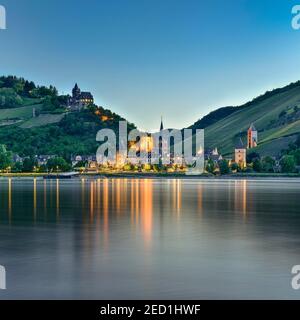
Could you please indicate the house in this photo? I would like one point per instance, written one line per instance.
(17, 158)
(213, 155)
(43, 159)
(75, 160)
(91, 163)
(277, 166)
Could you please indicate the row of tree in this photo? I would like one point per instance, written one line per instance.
(287, 164)
(26, 88)
(30, 164)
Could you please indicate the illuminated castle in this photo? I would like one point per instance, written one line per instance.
(80, 98)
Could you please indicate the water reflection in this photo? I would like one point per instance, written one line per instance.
(147, 210)
(102, 199)
(139, 238)
(139, 197)
(9, 201)
(34, 200)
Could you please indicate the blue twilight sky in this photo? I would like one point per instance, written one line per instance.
(144, 58)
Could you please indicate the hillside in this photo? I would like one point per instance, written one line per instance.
(276, 115)
(213, 117)
(35, 120)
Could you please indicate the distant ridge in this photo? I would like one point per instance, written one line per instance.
(223, 112)
(276, 115)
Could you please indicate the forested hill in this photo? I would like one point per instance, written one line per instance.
(275, 114)
(35, 120)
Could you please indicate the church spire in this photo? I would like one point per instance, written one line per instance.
(161, 125)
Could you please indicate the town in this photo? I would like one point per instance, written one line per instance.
(244, 158)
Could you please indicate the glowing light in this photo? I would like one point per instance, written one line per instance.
(34, 199)
(146, 144)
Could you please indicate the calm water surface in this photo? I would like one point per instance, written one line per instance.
(149, 239)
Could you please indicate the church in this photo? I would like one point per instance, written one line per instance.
(252, 137)
(80, 98)
(241, 150)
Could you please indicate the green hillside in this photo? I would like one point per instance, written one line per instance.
(35, 120)
(276, 116)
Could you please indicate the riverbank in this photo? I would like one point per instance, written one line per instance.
(160, 175)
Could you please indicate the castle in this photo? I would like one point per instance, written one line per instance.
(80, 98)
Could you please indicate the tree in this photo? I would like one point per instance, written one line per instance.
(9, 99)
(224, 166)
(234, 166)
(257, 165)
(252, 156)
(210, 166)
(296, 155)
(128, 167)
(17, 167)
(268, 164)
(80, 164)
(287, 164)
(58, 163)
(282, 113)
(28, 87)
(29, 164)
(5, 158)
(297, 142)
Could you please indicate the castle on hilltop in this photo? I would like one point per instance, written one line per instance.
(80, 98)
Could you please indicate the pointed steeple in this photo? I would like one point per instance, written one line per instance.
(161, 125)
(240, 144)
(76, 91)
(252, 127)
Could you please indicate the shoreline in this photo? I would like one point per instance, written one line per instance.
(123, 175)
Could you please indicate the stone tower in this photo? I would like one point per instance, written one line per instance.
(252, 137)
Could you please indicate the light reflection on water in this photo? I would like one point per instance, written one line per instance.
(149, 238)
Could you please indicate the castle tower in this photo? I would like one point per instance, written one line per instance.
(252, 137)
(76, 92)
(240, 154)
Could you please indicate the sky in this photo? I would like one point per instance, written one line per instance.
(144, 59)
